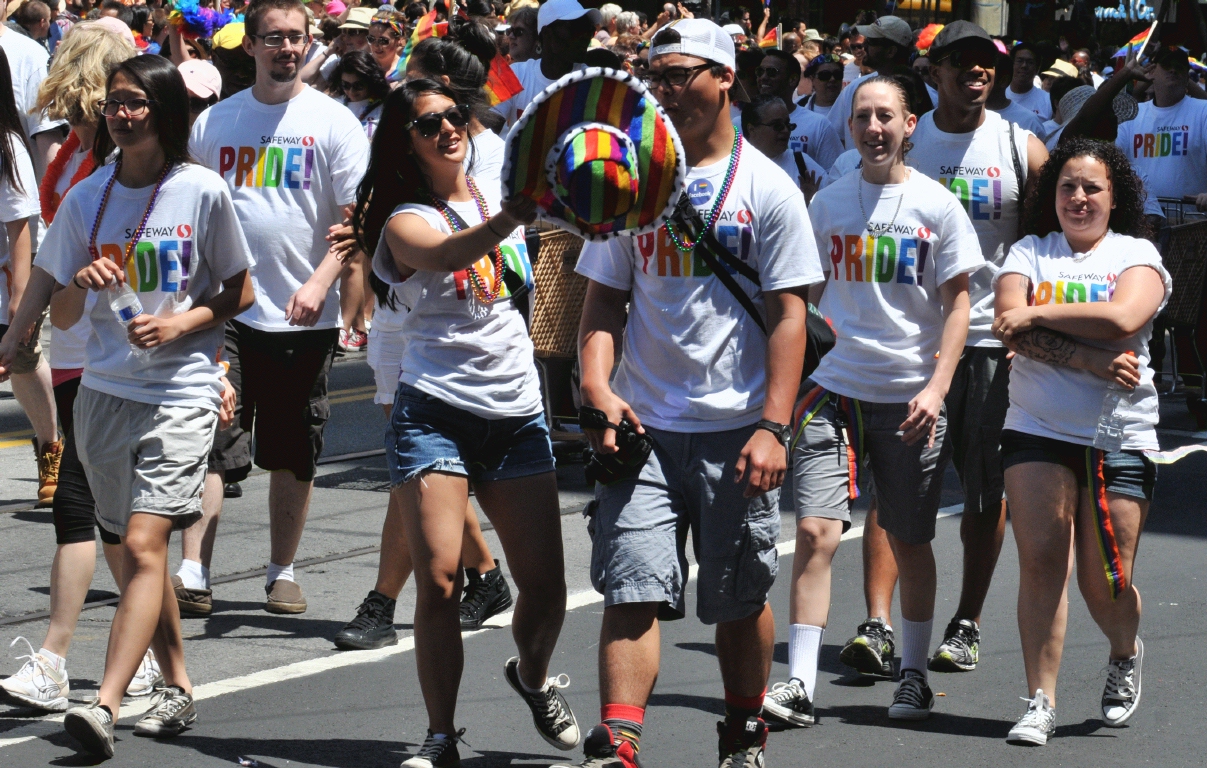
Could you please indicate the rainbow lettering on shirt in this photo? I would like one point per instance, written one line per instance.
(279, 161)
(979, 190)
(1074, 289)
(161, 260)
(515, 255)
(669, 261)
(1165, 141)
(880, 258)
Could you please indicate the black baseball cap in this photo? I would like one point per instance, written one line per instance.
(1172, 58)
(960, 35)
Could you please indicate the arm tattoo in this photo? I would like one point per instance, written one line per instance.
(1045, 346)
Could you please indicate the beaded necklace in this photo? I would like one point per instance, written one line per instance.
(100, 212)
(681, 242)
(479, 284)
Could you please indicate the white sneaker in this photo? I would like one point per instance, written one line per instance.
(37, 684)
(146, 678)
(1036, 724)
(1122, 693)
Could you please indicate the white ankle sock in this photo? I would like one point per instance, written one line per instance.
(280, 572)
(804, 643)
(194, 575)
(915, 644)
(57, 661)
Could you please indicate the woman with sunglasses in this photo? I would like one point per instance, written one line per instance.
(825, 72)
(765, 125)
(901, 250)
(386, 39)
(361, 86)
(522, 43)
(468, 405)
(151, 394)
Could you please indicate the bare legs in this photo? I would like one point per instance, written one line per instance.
(879, 567)
(146, 612)
(1050, 514)
(70, 576)
(526, 517)
(817, 540)
(982, 536)
(197, 541)
(36, 396)
(288, 506)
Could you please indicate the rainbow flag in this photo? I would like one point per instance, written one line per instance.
(771, 39)
(1137, 43)
(427, 27)
(501, 82)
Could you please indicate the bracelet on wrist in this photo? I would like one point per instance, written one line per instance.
(490, 226)
(76, 279)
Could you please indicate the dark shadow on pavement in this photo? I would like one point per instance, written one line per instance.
(939, 722)
(714, 705)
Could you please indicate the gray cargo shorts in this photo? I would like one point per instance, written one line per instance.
(639, 530)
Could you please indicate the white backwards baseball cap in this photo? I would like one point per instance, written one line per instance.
(563, 10)
(702, 38)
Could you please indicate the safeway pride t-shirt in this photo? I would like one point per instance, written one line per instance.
(1168, 147)
(290, 169)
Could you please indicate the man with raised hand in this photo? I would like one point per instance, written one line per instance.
(293, 158)
(714, 391)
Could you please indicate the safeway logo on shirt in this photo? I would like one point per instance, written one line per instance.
(1164, 141)
(979, 190)
(184, 230)
(1075, 288)
(923, 233)
(279, 161)
(879, 259)
(159, 261)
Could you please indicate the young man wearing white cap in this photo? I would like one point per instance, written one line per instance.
(565, 29)
(713, 390)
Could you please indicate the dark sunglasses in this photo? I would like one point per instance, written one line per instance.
(515, 32)
(779, 125)
(354, 32)
(383, 40)
(858, 46)
(430, 124)
(826, 76)
(970, 59)
(767, 72)
(352, 85)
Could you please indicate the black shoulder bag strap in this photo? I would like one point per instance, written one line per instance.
(516, 286)
(801, 168)
(688, 220)
(1019, 178)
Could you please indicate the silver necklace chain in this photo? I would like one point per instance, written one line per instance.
(877, 229)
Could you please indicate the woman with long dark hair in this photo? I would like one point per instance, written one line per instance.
(468, 405)
(1075, 302)
(156, 238)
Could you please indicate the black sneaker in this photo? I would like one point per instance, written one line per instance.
(602, 750)
(485, 595)
(550, 711)
(871, 650)
(741, 744)
(232, 491)
(960, 649)
(913, 699)
(373, 626)
(436, 753)
(789, 703)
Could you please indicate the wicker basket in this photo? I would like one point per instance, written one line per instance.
(559, 296)
(1186, 260)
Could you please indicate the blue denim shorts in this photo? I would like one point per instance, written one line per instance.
(1127, 473)
(427, 434)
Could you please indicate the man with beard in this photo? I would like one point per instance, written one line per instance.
(293, 158)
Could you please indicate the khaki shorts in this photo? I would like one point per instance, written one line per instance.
(28, 354)
(141, 457)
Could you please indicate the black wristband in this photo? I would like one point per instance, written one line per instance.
(75, 279)
(490, 226)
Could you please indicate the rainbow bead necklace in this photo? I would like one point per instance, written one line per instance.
(100, 212)
(479, 285)
(735, 154)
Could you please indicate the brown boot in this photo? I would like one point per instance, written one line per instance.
(48, 470)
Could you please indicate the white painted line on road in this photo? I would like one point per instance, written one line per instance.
(351, 658)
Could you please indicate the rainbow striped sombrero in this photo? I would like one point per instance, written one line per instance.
(599, 156)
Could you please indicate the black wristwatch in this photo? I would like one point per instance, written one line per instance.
(782, 432)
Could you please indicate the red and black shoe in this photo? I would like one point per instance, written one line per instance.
(741, 743)
(601, 750)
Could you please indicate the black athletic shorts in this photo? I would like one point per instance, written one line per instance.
(73, 508)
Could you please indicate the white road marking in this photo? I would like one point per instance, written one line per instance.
(342, 659)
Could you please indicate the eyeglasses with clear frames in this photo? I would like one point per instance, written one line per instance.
(276, 41)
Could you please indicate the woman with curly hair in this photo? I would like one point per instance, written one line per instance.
(386, 40)
(360, 85)
(1075, 302)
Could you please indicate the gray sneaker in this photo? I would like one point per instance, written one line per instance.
(1036, 724)
(92, 726)
(742, 744)
(1122, 693)
(171, 712)
(960, 650)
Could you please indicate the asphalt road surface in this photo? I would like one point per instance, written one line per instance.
(274, 690)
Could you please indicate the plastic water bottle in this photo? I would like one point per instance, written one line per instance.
(1109, 434)
(125, 304)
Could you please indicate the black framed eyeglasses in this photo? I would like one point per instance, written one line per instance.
(768, 72)
(277, 40)
(133, 107)
(968, 59)
(673, 77)
(779, 125)
(430, 124)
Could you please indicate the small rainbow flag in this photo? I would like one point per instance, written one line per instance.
(771, 39)
(427, 27)
(501, 82)
(1137, 43)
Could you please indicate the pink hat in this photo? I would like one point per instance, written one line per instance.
(201, 78)
(117, 27)
(335, 8)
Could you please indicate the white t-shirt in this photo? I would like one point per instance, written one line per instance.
(886, 308)
(814, 136)
(27, 64)
(978, 168)
(1168, 147)
(812, 105)
(473, 356)
(693, 361)
(488, 155)
(1037, 100)
(291, 169)
(1023, 118)
(846, 162)
(191, 243)
(840, 113)
(327, 68)
(369, 118)
(15, 204)
(787, 161)
(533, 81)
(1065, 403)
